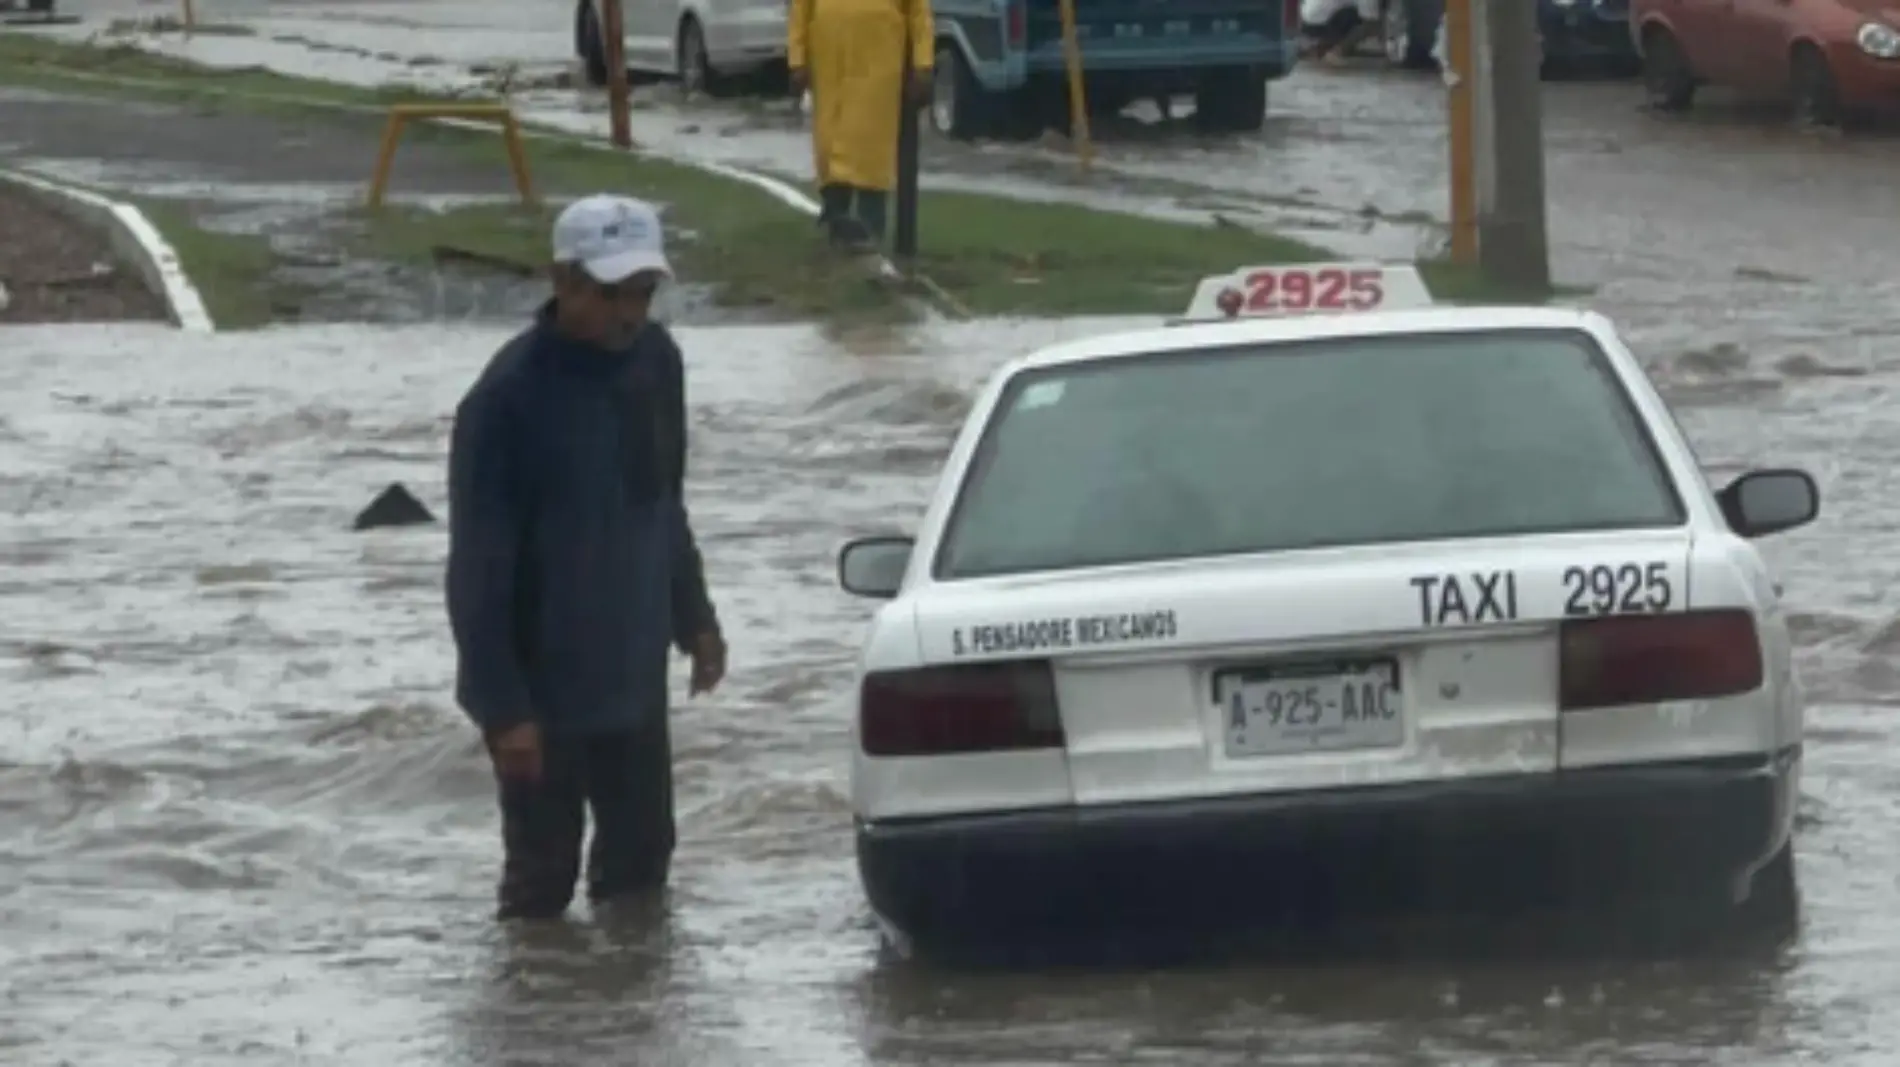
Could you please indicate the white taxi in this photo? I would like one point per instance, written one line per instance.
(1320, 598)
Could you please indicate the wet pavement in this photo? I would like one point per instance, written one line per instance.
(243, 822)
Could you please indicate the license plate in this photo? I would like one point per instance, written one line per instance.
(1332, 707)
(1136, 31)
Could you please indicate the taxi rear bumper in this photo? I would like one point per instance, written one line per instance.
(1572, 838)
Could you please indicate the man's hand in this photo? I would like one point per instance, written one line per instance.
(921, 88)
(709, 662)
(516, 752)
(801, 81)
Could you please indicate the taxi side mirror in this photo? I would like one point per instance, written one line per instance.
(874, 566)
(1766, 502)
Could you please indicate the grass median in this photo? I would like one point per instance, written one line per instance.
(991, 255)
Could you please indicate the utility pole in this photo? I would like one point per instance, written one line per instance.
(904, 239)
(613, 27)
(1513, 235)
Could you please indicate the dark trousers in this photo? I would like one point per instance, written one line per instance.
(625, 779)
(1330, 33)
(852, 214)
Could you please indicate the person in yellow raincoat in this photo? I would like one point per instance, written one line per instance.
(851, 55)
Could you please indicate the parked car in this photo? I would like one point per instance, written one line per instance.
(1001, 69)
(705, 44)
(1830, 58)
(1575, 33)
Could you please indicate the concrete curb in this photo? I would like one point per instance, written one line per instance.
(133, 238)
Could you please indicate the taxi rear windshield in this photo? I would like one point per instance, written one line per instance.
(1342, 441)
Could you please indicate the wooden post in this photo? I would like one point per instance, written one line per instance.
(1078, 101)
(613, 28)
(1460, 75)
(191, 16)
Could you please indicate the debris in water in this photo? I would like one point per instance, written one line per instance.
(1805, 365)
(1763, 274)
(1724, 358)
(394, 506)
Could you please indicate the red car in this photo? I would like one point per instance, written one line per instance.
(1830, 58)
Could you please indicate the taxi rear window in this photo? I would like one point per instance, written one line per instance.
(1334, 442)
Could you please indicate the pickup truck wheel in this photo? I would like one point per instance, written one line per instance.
(1231, 101)
(589, 43)
(959, 106)
(1667, 80)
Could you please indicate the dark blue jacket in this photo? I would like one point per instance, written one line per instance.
(572, 564)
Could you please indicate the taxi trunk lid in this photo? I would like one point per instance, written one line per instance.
(1314, 669)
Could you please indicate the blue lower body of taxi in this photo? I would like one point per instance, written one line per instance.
(1698, 831)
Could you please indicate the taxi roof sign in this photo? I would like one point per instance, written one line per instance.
(1307, 289)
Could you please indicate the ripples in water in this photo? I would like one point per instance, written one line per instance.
(241, 821)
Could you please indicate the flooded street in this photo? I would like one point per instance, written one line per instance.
(242, 822)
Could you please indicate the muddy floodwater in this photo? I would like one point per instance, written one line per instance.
(241, 821)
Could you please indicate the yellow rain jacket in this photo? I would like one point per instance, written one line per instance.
(853, 51)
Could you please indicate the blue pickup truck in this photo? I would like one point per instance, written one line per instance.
(1001, 70)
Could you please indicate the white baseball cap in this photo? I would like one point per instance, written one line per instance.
(612, 238)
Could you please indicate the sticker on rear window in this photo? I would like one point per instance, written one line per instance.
(1465, 599)
(1046, 635)
(1041, 395)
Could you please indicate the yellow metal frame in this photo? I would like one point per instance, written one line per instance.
(498, 113)
(1078, 103)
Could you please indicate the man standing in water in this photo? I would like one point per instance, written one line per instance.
(851, 54)
(572, 567)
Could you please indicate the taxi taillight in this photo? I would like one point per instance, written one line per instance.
(947, 710)
(1651, 659)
